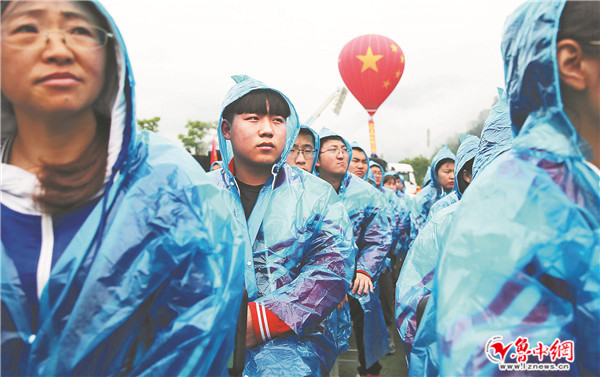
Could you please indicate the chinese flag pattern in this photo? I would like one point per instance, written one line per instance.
(371, 67)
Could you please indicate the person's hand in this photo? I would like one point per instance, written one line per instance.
(341, 304)
(362, 284)
(251, 340)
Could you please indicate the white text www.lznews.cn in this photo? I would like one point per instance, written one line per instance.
(534, 366)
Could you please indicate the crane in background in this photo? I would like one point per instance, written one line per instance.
(339, 95)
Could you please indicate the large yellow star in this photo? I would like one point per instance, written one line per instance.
(369, 60)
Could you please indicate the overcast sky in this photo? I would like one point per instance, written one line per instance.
(183, 53)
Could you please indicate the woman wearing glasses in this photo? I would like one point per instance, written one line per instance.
(105, 238)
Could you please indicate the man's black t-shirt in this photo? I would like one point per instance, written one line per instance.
(248, 194)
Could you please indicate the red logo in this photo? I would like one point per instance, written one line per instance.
(496, 351)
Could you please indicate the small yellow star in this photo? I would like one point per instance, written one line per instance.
(402, 59)
(394, 47)
(397, 74)
(369, 60)
(386, 83)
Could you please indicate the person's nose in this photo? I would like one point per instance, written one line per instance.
(56, 49)
(266, 127)
(300, 160)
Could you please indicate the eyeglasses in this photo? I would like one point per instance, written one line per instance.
(336, 151)
(31, 36)
(306, 153)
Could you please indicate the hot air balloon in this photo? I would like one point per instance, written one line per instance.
(371, 66)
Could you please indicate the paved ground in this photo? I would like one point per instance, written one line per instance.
(393, 365)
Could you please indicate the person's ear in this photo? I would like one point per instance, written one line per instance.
(569, 57)
(226, 129)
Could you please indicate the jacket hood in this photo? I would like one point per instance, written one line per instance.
(466, 151)
(244, 85)
(317, 144)
(496, 135)
(373, 163)
(116, 101)
(532, 81)
(219, 163)
(427, 178)
(354, 145)
(443, 154)
(326, 132)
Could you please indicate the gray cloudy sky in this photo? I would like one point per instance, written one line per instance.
(183, 53)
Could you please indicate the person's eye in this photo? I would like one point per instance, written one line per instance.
(23, 29)
(279, 120)
(85, 31)
(251, 117)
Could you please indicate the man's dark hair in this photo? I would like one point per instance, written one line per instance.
(468, 166)
(579, 21)
(324, 139)
(439, 164)
(255, 102)
(306, 131)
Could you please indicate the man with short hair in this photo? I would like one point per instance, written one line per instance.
(359, 163)
(303, 154)
(299, 266)
(372, 234)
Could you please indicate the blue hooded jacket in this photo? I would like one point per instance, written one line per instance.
(418, 272)
(466, 152)
(371, 224)
(522, 258)
(421, 203)
(301, 243)
(401, 217)
(144, 281)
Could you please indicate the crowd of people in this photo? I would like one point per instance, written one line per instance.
(121, 256)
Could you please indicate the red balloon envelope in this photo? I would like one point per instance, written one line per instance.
(371, 66)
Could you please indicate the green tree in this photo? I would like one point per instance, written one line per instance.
(149, 124)
(419, 165)
(194, 141)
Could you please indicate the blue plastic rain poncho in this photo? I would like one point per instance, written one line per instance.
(401, 218)
(418, 272)
(401, 192)
(216, 163)
(496, 138)
(421, 203)
(299, 266)
(427, 178)
(466, 152)
(522, 259)
(144, 281)
(372, 234)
